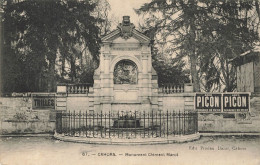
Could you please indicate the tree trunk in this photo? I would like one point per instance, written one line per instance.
(62, 67)
(193, 59)
(52, 80)
(228, 77)
(72, 69)
(194, 73)
(257, 8)
(192, 54)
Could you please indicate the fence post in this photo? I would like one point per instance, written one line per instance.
(188, 123)
(109, 124)
(83, 123)
(69, 123)
(93, 124)
(118, 124)
(148, 115)
(184, 123)
(59, 122)
(156, 116)
(105, 123)
(124, 125)
(173, 122)
(65, 125)
(160, 123)
(144, 124)
(196, 130)
(135, 123)
(86, 123)
(101, 128)
(152, 123)
(79, 122)
(194, 122)
(167, 123)
(74, 130)
(179, 116)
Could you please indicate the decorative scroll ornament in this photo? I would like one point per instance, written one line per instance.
(126, 27)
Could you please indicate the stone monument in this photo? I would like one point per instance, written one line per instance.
(125, 79)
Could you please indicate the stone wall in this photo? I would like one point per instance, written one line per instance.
(176, 102)
(232, 122)
(218, 122)
(78, 103)
(17, 116)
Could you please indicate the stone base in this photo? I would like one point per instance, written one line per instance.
(120, 141)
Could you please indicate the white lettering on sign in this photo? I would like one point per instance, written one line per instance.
(235, 101)
(198, 100)
(208, 101)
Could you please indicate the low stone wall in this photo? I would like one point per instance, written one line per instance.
(232, 122)
(176, 101)
(78, 103)
(17, 116)
(216, 123)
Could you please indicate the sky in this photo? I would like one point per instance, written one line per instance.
(120, 8)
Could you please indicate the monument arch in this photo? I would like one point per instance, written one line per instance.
(125, 57)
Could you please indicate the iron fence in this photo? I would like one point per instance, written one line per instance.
(126, 125)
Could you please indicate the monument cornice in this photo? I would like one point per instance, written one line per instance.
(143, 40)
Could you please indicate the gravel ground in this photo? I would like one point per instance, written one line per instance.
(231, 150)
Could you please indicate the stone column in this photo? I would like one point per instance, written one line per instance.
(145, 78)
(106, 86)
(106, 78)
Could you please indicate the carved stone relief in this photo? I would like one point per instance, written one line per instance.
(125, 72)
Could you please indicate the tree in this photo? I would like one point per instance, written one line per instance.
(169, 70)
(176, 23)
(230, 37)
(102, 12)
(209, 33)
(37, 31)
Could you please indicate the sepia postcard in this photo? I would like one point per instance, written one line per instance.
(131, 82)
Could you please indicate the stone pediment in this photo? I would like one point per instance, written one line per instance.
(126, 33)
(115, 37)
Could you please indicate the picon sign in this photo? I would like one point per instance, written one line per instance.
(208, 102)
(236, 102)
(222, 102)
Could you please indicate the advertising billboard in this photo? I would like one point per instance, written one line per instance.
(222, 102)
(238, 102)
(208, 102)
